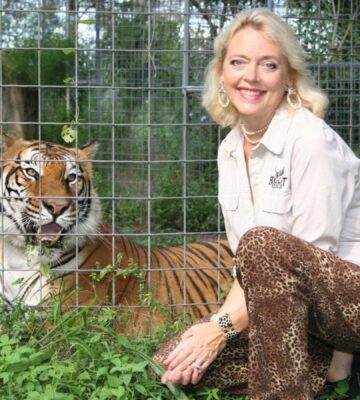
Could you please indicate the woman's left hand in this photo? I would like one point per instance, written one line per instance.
(198, 348)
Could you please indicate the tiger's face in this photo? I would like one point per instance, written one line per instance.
(47, 194)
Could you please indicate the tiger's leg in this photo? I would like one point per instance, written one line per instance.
(292, 287)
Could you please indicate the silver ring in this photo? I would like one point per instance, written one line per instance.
(197, 365)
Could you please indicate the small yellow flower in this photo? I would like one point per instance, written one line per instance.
(68, 134)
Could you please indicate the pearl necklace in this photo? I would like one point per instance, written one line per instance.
(246, 133)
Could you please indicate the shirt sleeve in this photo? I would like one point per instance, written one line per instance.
(323, 176)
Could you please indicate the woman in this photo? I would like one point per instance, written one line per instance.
(281, 166)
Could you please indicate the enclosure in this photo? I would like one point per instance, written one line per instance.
(129, 74)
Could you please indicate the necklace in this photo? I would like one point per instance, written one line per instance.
(261, 130)
(246, 133)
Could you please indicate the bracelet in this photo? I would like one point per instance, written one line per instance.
(226, 325)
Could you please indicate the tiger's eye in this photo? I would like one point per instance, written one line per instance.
(71, 178)
(31, 172)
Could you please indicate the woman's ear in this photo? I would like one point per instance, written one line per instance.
(291, 78)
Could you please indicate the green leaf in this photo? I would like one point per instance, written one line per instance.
(123, 341)
(126, 379)
(101, 371)
(50, 396)
(342, 387)
(45, 268)
(84, 376)
(68, 51)
(69, 81)
(113, 381)
(4, 339)
(34, 359)
(18, 281)
(140, 366)
(117, 362)
(5, 377)
(118, 392)
(95, 338)
(87, 21)
(140, 388)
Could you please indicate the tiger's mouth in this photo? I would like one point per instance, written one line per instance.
(49, 233)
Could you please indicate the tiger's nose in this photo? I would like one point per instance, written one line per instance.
(55, 206)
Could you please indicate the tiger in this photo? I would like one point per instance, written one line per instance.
(53, 239)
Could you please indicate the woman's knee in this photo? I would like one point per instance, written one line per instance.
(258, 246)
(255, 240)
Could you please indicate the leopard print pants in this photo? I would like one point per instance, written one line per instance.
(292, 289)
(302, 302)
(229, 372)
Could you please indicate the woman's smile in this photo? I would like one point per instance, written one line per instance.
(250, 94)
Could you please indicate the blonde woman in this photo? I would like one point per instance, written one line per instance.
(289, 190)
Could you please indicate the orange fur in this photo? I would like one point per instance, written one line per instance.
(188, 278)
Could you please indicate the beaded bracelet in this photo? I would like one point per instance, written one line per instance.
(226, 325)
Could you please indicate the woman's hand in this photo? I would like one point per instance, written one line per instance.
(198, 348)
(201, 344)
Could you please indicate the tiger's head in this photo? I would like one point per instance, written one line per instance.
(48, 199)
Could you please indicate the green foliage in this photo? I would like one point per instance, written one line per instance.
(167, 209)
(76, 355)
(21, 66)
(167, 213)
(357, 152)
(340, 392)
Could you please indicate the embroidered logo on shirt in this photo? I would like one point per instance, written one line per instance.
(277, 181)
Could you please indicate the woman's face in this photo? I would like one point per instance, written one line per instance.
(255, 75)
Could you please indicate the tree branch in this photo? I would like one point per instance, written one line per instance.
(206, 15)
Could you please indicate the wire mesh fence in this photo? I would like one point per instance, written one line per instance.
(128, 74)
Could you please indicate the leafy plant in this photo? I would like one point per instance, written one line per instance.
(49, 354)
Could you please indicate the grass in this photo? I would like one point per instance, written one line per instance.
(55, 355)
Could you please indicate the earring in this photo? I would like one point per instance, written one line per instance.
(292, 93)
(223, 98)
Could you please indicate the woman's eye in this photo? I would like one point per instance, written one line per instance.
(31, 172)
(270, 65)
(236, 62)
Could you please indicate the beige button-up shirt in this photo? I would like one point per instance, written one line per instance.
(304, 180)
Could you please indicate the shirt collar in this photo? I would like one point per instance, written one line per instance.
(273, 140)
(275, 137)
(231, 141)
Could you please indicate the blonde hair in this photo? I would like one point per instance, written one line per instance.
(280, 33)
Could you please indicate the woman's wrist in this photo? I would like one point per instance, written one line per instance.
(225, 324)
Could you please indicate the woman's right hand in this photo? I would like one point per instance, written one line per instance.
(199, 346)
(202, 343)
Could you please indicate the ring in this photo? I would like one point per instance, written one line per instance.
(197, 365)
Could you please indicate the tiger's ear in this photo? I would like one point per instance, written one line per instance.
(89, 150)
(8, 140)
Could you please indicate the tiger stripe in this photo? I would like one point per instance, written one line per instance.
(186, 278)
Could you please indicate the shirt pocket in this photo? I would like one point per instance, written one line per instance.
(229, 202)
(279, 203)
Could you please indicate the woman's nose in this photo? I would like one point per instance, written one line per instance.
(251, 73)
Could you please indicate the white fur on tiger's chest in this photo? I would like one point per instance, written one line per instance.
(16, 274)
(24, 273)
